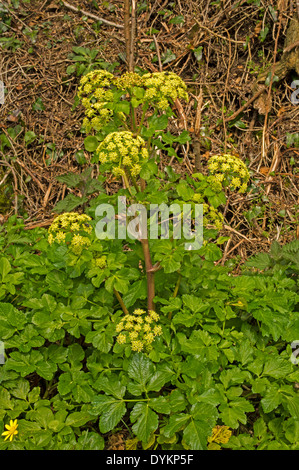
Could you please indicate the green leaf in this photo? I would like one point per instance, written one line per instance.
(90, 441)
(168, 56)
(272, 399)
(111, 386)
(5, 268)
(196, 434)
(137, 291)
(77, 419)
(91, 143)
(140, 369)
(277, 367)
(29, 137)
(177, 20)
(198, 53)
(72, 180)
(146, 421)
(234, 412)
(176, 423)
(112, 416)
(184, 191)
(160, 405)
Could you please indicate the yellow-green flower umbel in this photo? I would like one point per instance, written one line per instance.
(230, 171)
(11, 430)
(71, 228)
(121, 151)
(95, 94)
(128, 80)
(163, 88)
(139, 330)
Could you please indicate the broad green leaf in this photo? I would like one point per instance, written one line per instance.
(77, 419)
(234, 412)
(146, 421)
(5, 268)
(90, 441)
(160, 405)
(277, 367)
(140, 369)
(111, 386)
(91, 143)
(196, 434)
(176, 423)
(111, 416)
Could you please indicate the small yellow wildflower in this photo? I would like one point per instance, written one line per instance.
(121, 339)
(139, 311)
(11, 430)
(153, 315)
(139, 330)
(137, 346)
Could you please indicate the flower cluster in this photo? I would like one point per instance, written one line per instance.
(139, 330)
(230, 171)
(163, 88)
(220, 435)
(121, 150)
(128, 80)
(94, 92)
(71, 228)
(212, 216)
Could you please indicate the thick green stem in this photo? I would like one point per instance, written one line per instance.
(125, 177)
(145, 108)
(129, 175)
(121, 302)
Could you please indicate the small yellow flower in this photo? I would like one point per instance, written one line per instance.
(153, 315)
(139, 311)
(137, 346)
(121, 339)
(11, 430)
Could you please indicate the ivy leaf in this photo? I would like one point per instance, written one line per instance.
(146, 421)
